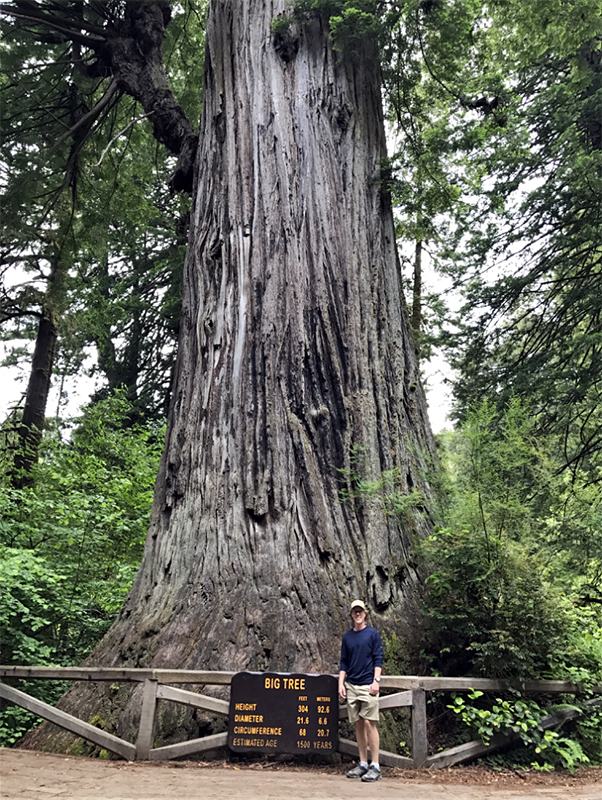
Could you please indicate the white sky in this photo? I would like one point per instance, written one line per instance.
(438, 392)
(13, 385)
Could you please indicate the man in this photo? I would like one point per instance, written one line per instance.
(359, 678)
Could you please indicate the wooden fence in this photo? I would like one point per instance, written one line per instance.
(158, 685)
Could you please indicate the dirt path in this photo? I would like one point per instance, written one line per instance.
(28, 775)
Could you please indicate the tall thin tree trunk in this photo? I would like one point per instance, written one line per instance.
(40, 378)
(294, 372)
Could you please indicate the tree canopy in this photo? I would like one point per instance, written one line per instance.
(93, 236)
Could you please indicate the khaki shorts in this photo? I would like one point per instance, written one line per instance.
(361, 703)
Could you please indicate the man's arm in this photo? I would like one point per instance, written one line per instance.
(375, 685)
(343, 666)
(378, 662)
(342, 690)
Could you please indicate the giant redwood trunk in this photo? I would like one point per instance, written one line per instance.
(296, 373)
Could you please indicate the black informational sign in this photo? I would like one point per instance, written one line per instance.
(276, 712)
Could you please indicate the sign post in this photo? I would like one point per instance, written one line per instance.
(275, 712)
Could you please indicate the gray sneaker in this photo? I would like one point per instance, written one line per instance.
(371, 774)
(357, 772)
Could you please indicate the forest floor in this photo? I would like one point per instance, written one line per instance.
(28, 775)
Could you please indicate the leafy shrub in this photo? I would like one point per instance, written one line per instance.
(514, 579)
(32, 607)
(488, 610)
(70, 543)
(506, 597)
(524, 718)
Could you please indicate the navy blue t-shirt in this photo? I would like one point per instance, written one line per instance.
(361, 651)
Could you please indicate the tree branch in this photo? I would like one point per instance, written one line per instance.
(89, 117)
(56, 25)
(32, 9)
(117, 135)
(129, 49)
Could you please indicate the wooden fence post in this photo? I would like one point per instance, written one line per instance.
(147, 721)
(419, 734)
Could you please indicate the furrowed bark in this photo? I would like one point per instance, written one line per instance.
(296, 377)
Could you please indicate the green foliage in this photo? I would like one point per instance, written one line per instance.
(384, 490)
(495, 463)
(519, 716)
(589, 734)
(104, 259)
(528, 258)
(488, 609)
(70, 543)
(15, 721)
(522, 717)
(504, 596)
(280, 25)
(513, 579)
(32, 604)
(353, 23)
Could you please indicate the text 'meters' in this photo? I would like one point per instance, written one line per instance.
(276, 712)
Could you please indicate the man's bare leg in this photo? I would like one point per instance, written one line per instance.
(372, 738)
(361, 739)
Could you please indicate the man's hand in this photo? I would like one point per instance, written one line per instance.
(374, 688)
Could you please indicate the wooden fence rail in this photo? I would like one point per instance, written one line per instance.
(412, 695)
(70, 723)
